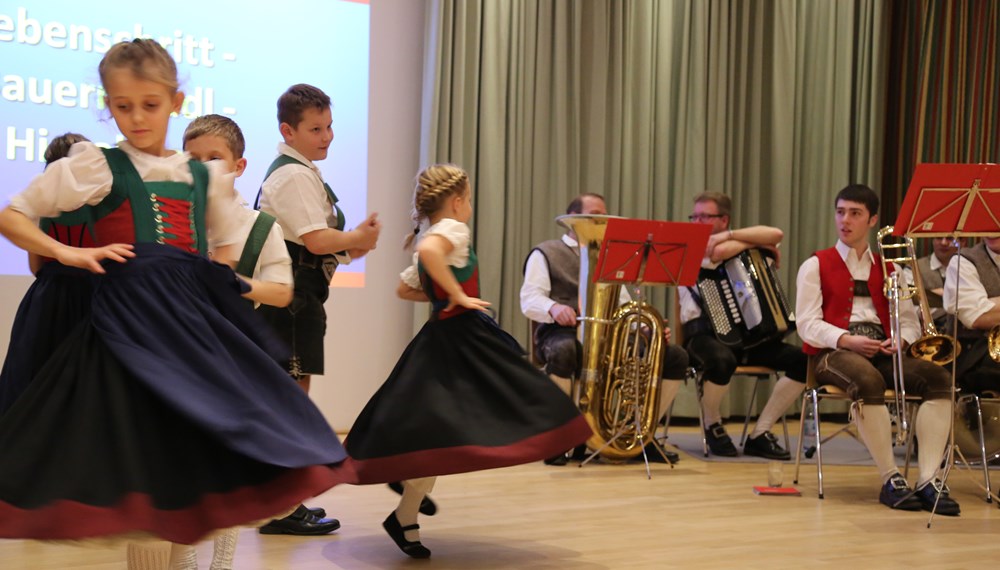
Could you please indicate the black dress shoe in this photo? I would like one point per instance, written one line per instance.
(395, 530)
(301, 523)
(719, 442)
(427, 505)
(557, 460)
(896, 494)
(318, 512)
(765, 445)
(945, 505)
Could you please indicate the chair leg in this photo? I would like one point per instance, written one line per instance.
(666, 422)
(750, 410)
(982, 449)
(814, 402)
(909, 437)
(701, 415)
(784, 428)
(802, 425)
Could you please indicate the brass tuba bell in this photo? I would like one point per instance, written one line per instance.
(932, 346)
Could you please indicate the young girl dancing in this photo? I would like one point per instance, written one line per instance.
(164, 411)
(462, 396)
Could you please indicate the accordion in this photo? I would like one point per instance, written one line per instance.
(744, 301)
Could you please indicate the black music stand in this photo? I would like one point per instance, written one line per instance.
(646, 252)
(951, 200)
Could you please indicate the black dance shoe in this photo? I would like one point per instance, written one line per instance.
(427, 505)
(318, 512)
(765, 445)
(557, 460)
(945, 505)
(719, 442)
(896, 494)
(301, 523)
(395, 531)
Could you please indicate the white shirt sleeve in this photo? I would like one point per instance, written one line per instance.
(809, 322)
(274, 264)
(225, 212)
(536, 288)
(295, 195)
(909, 320)
(972, 300)
(411, 276)
(81, 178)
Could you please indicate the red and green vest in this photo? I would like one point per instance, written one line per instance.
(837, 287)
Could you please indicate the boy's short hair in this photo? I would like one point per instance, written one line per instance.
(297, 99)
(724, 204)
(220, 126)
(861, 194)
(576, 206)
(59, 147)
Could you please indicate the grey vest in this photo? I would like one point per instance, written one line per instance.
(989, 276)
(564, 271)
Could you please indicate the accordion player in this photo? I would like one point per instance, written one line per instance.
(744, 302)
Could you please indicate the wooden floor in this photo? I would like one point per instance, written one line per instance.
(697, 515)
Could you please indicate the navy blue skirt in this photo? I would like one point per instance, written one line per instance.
(461, 398)
(164, 410)
(57, 301)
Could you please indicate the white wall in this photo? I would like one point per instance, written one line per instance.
(368, 328)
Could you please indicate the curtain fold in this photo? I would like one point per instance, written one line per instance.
(943, 89)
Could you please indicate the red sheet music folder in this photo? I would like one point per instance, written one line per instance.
(650, 252)
(951, 200)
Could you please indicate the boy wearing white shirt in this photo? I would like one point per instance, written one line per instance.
(842, 316)
(306, 208)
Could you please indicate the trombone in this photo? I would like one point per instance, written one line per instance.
(932, 346)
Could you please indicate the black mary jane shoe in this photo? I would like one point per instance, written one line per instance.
(427, 505)
(395, 531)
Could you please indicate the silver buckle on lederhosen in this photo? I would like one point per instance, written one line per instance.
(870, 330)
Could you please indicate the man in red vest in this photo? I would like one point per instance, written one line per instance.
(843, 319)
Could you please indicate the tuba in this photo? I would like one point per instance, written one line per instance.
(622, 352)
(932, 346)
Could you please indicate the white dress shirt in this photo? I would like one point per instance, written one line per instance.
(294, 194)
(972, 299)
(535, 291)
(809, 321)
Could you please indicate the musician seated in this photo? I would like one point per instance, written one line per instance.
(718, 361)
(848, 331)
(978, 312)
(932, 269)
(550, 296)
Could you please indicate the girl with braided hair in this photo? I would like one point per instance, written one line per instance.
(462, 396)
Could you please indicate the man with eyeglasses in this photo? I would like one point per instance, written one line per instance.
(717, 361)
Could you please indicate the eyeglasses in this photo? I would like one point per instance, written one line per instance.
(703, 217)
